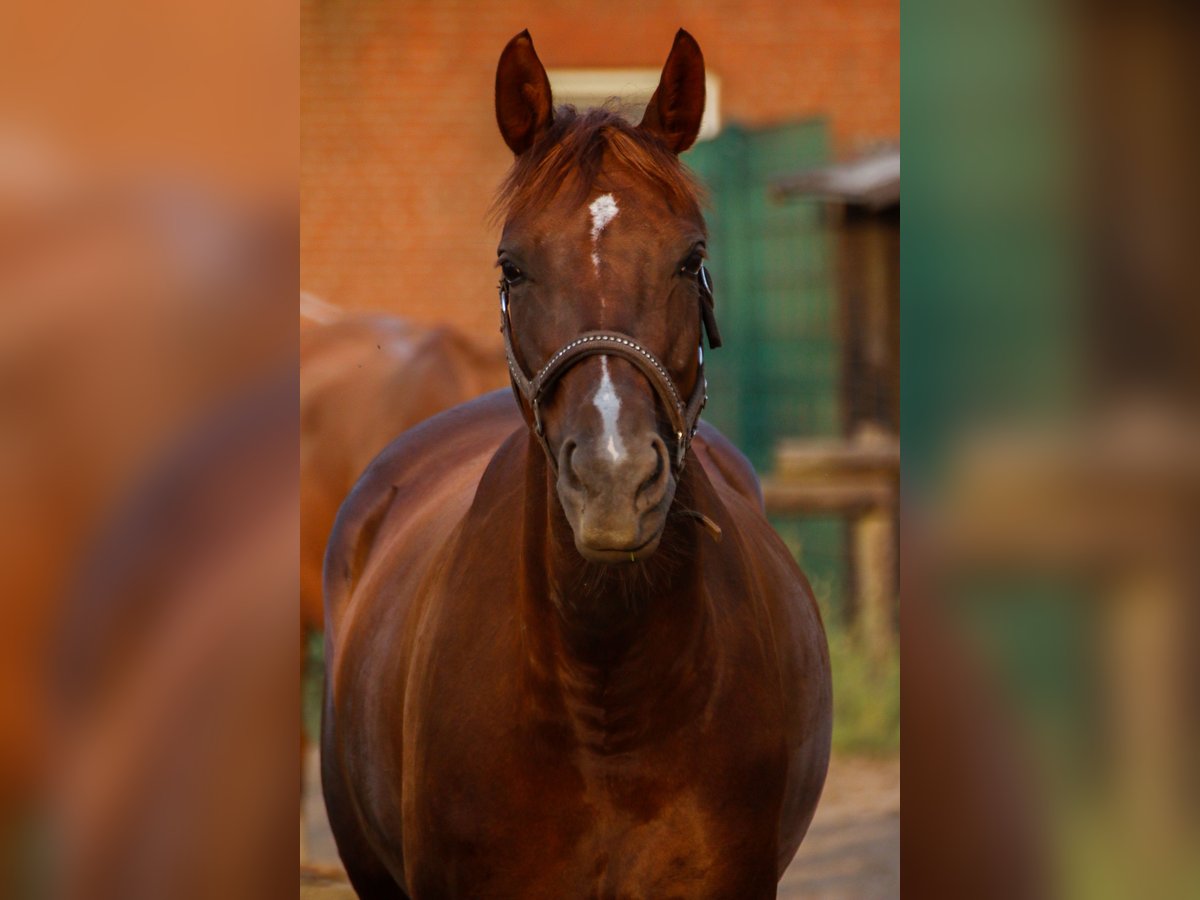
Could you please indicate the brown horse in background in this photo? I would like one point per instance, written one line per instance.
(364, 378)
(566, 655)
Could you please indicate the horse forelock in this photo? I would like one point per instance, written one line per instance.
(571, 156)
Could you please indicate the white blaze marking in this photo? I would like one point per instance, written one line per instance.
(609, 405)
(603, 210)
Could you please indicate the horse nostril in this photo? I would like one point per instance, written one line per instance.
(566, 463)
(647, 490)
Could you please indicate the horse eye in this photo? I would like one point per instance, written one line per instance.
(511, 273)
(692, 265)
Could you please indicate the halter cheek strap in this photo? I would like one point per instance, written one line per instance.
(684, 416)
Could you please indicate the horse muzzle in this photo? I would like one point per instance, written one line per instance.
(616, 504)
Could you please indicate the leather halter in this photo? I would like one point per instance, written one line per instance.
(684, 416)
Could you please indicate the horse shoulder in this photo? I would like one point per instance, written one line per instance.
(422, 478)
(789, 629)
(793, 634)
(726, 465)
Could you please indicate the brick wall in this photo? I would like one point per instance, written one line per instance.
(400, 152)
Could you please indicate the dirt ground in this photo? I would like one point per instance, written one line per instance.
(852, 851)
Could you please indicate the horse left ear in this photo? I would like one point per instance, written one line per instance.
(677, 106)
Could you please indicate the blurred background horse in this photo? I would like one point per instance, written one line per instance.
(365, 378)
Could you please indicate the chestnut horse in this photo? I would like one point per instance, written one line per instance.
(566, 654)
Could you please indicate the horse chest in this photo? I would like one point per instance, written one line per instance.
(597, 851)
(525, 823)
(534, 788)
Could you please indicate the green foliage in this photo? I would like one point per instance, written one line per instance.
(866, 696)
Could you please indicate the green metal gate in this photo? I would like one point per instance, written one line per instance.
(777, 375)
(773, 263)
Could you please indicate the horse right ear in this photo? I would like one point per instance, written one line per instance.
(524, 108)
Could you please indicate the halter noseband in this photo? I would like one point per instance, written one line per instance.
(684, 416)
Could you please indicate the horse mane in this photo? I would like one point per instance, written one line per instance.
(571, 153)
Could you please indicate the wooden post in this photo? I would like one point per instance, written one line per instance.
(875, 566)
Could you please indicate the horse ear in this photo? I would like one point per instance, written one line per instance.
(523, 104)
(677, 105)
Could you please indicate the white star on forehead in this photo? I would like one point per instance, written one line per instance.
(604, 210)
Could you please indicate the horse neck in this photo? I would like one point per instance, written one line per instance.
(627, 649)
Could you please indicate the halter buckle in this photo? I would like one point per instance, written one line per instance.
(537, 417)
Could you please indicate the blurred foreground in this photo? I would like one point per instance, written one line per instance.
(150, 500)
(1051, 398)
(148, 466)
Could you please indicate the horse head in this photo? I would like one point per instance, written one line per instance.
(603, 293)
